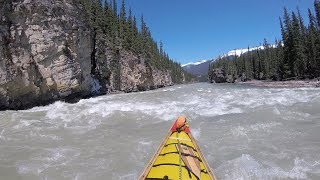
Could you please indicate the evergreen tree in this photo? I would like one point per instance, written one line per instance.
(296, 56)
(120, 32)
(115, 8)
(161, 49)
(122, 21)
(288, 47)
(311, 46)
(317, 9)
(317, 42)
(299, 58)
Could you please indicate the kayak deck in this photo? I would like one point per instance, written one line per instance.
(178, 157)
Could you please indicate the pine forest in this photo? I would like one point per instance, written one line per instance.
(296, 56)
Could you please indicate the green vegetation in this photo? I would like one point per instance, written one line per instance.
(119, 30)
(296, 56)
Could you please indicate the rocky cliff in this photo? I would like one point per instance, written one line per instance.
(48, 53)
(137, 75)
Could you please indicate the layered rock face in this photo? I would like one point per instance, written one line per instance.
(45, 53)
(136, 75)
(48, 53)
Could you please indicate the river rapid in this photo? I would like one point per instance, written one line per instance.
(244, 133)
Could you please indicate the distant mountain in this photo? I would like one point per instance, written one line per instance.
(197, 68)
(200, 68)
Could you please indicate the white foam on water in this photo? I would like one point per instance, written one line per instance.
(226, 103)
(24, 123)
(264, 126)
(31, 168)
(162, 111)
(36, 109)
(95, 100)
(130, 176)
(248, 103)
(145, 142)
(58, 110)
(102, 116)
(48, 158)
(296, 115)
(74, 116)
(45, 136)
(253, 98)
(217, 111)
(168, 89)
(103, 109)
(196, 132)
(2, 136)
(239, 131)
(258, 127)
(302, 115)
(200, 90)
(276, 111)
(246, 167)
(54, 157)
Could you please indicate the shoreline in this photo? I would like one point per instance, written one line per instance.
(283, 84)
(76, 97)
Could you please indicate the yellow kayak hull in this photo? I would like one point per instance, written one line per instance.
(178, 157)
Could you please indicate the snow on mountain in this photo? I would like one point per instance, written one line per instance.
(194, 63)
(238, 52)
(197, 68)
(201, 67)
(235, 52)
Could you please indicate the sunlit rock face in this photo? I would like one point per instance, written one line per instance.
(46, 54)
(45, 48)
(137, 75)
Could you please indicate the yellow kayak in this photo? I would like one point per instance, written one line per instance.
(178, 157)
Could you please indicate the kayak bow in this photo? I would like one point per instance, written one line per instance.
(178, 157)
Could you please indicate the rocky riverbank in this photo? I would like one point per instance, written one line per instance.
(219, 76)
(49, 52)
(283, 84)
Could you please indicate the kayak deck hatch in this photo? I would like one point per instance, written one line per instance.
(178, 157)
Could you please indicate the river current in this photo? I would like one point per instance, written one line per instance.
(243, 132)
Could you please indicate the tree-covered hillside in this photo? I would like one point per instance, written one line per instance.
(296, 56)
(118, 28)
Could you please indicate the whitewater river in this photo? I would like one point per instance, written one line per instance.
(244, 133)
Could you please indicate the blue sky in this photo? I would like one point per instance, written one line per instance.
(195, 30)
